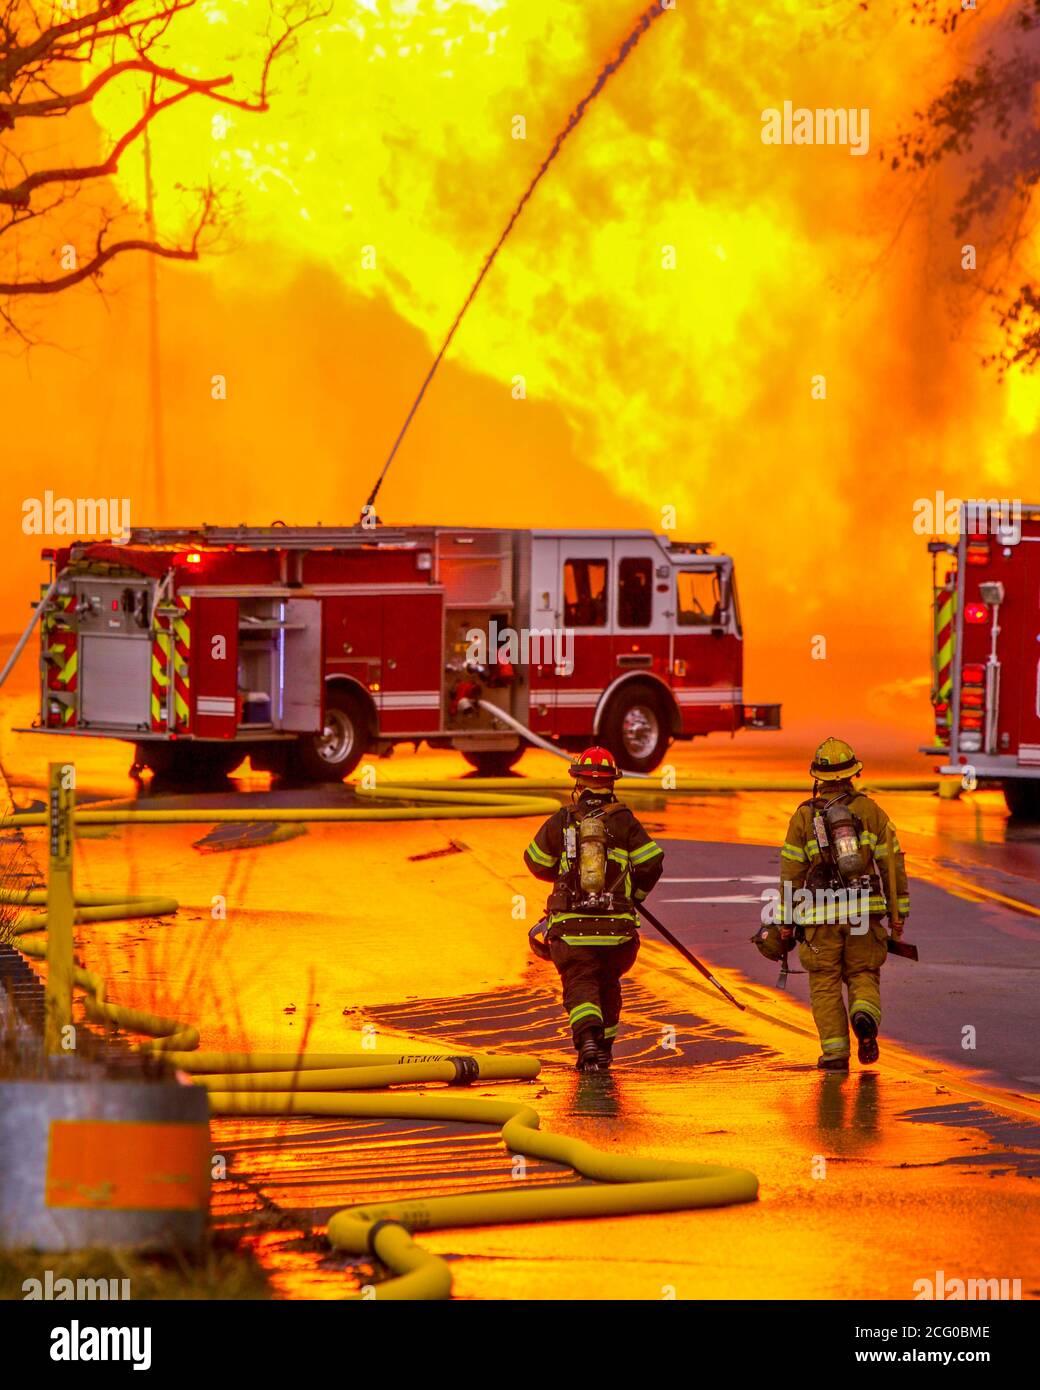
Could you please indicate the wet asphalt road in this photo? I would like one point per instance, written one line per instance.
(976, 982)
(407, 932)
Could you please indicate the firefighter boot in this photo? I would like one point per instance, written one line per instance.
(589, 1044)
(833, 1063)
(865, 1029)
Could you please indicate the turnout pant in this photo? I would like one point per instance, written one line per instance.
(591, 978)
(835, 955)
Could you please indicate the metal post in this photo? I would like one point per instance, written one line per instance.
(60, 907)
(38, 611)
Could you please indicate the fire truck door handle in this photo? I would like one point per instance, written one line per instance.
(635, 659)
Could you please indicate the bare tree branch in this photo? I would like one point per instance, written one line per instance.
(116, 41)
(105, 251)
(980, 131)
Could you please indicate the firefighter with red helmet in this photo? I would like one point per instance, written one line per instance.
(601, 863)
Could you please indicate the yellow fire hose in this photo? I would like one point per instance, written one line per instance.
(287, 1085)
(308, 1085)
(499, 797)
(454, 805)
(103, 907)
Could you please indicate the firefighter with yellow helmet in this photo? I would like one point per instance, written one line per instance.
(601, 863)
(837, 847)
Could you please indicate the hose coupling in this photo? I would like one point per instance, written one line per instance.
(467, 1070)
(373, 1232)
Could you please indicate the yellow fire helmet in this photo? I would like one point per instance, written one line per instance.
(834, 760)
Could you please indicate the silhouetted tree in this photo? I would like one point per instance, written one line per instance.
(55, 60)
(981, 129)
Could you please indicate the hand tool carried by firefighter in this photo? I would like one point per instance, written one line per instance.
(896, 946)
(787, 947)
(771, 943)
(674, 941)
(536, 939)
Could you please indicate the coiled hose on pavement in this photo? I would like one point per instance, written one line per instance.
(315, 1084)
(241, 1084)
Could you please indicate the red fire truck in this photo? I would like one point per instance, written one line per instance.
(306, 647)
(986, 654)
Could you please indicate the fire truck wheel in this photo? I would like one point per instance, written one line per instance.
(1023, 798)
(636, 728)
(333, 754)
(495, 763)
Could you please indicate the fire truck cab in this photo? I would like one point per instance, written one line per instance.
(303, 648)
(986, 652)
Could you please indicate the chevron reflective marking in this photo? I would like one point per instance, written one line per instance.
(60, 646)
(945, 644)
(182, 664)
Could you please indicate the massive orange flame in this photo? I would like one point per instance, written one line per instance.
(648, 339)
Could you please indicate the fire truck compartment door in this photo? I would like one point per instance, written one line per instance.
(215, 663)
(300, 668)
(1028, 731)
(115, 681)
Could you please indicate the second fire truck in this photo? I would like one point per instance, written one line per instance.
(986, 656)
(305, 648)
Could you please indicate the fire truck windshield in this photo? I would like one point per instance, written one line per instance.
(700, 598)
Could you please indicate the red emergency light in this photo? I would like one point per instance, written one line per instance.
(973, 675)
(976, 613)
(978, 553)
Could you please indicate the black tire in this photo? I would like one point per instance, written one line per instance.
(495, 762)
(637, 727)
(335, 753)
(1022, 796)
(190, 762)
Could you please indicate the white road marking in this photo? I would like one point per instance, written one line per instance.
(731, 878)
(734, 898)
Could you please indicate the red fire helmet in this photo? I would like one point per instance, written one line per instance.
(595, 765)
